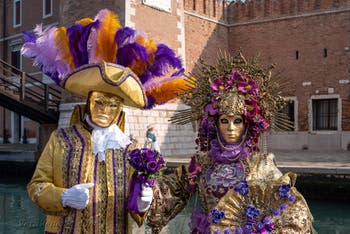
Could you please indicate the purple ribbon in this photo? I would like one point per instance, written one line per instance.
(135, 190)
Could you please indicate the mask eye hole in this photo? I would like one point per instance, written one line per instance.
(99, 102)
(224, 121)
(113, 105)
(237, 120)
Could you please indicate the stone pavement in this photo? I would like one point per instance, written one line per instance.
(300, 161)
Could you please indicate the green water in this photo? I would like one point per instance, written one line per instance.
(19, 215)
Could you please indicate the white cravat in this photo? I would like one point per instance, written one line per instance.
(106, 138)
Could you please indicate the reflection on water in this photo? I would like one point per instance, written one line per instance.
(17, 212)
(19, 215)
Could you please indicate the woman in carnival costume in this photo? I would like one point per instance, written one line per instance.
(81, 179)
(240, 188)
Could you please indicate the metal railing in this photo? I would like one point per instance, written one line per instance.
(23, 87)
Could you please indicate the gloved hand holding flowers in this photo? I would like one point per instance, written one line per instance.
(148, 165)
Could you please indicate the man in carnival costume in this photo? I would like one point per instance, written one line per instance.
(81, 179)
(240, 188)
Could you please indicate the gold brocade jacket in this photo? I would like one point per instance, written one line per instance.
(67, 160)
(215, 187)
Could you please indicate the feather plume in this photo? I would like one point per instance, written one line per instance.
(78, 36)
(64, 55)
(85, 21)
(155, 82)
(92, 45)
(74, 33)
(167, 90)
(43, 51)
(131, 53)
(164, 59)
(58, 51)
(106, 46)
(125, 36)
(28, 36)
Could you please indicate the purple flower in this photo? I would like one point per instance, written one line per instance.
(262, 123)
(237, 76)
(266, 220)
(252, 108)
(242, 187)
(269, 227)
(227, 231)
(247, 229)
(152, 167)
(291, 198)
(283, 206)
(217, 85)
(148, 154)
(247, 87)
(259, 225)
(194, 168)
(217, 215)
(212, 109)
(276, 212)
(283, 190)
(217, 231)
(136, 162)
(146, 162)
(252, 212)
(239, 230)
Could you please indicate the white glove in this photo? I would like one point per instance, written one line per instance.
(77, 196)
(145, 200)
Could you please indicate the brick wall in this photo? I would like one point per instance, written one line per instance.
(162, 26)
(72, 10)
(268, 9)
(278, 42)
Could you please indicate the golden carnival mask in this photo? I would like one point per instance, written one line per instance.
(231, 127)
(103, 108)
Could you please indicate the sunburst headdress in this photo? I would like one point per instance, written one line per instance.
(100, 55)
(233, 86)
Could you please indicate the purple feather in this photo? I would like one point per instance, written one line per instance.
(92, 44)
(44, 51)
(28, 36)
(125, 36)
(150, 103)
(131, 52)
(164, 58)
(178, 73)
(145, 77)
(152, 83)
(85, 32)
(78, 38)
(74, 34)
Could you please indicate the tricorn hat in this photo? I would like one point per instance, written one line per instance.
(108, 78)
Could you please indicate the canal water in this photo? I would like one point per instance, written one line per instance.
(19, 215)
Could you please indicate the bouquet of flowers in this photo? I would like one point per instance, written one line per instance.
(148, 165)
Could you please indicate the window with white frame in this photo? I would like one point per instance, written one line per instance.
(325, 114)
(17, 13)
(47, 8)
